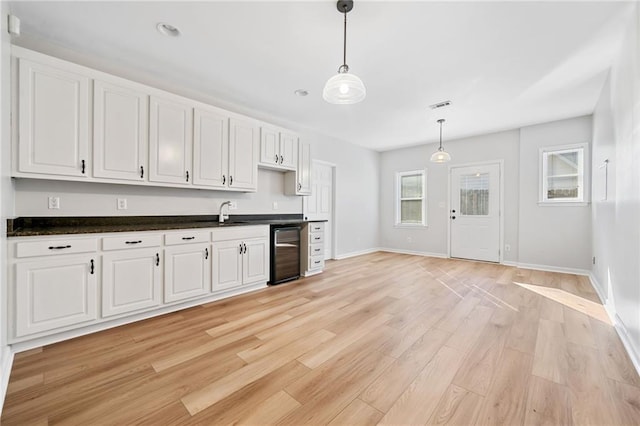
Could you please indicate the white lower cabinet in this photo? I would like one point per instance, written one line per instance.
(187, 271)
(131, 280)
(65, 283)
(55, 292)
(240, 256)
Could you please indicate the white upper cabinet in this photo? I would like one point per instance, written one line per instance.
(210, 148)
(278, 149)
(243, 154)
(53, 120)
(288, 150)
(170, 140)
(299, 182)
(120, 137)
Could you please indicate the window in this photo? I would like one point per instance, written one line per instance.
(474, 194)
(410, 198)
(562, 174)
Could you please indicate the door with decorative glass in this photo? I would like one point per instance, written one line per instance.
(475, 212)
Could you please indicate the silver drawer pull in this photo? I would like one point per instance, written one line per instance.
(188, 238)
(133, 242)
(59, 247)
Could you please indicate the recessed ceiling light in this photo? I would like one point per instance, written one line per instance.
(301, 92)
(167, 29)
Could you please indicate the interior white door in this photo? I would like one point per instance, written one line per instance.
(475, 212)
(319, 205)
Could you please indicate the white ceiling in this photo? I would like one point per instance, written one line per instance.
(502, 64)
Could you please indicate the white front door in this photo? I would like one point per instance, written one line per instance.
(319, 205)
(475, 212)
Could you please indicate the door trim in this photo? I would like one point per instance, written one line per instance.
(334, 224)
(500, 164)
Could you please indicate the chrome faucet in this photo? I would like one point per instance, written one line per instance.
(222, 216)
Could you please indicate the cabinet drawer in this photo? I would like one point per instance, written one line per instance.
(316, 227)
(316, 262)
(53, 247)
(131, 241)
(316, 237)
(316, 250)
(186, 237)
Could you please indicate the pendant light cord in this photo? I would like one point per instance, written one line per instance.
(440, 149)
(344, 45)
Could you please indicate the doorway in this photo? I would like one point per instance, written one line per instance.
(475, 200)
(320, 205)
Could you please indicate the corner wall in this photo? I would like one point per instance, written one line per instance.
(616, 220)
(6, 194)
(551, 236)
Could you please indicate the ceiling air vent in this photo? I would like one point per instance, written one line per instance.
(440, 105)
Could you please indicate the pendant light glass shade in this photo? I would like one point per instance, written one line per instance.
(344, 88)
(440, 156)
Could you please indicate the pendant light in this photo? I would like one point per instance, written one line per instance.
(440, 156)
(344, 88)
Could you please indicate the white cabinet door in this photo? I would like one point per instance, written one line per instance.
(187, 271)
(243, 154)
(54, 293)
(170, 141)
(120, 124)
(227, 264)
(53, 120)
(255, 261)
(288, 151)
(269, 146)
(210, 148)
(304, 168)
(131, 281)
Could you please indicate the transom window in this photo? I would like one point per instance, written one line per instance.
(562, 174)
(410, 198)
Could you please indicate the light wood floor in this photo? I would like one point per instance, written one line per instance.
(382, 338)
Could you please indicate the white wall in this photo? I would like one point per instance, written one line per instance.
(433, 239)
(6, 194)
(356, 193)
(97, 199)
(555, 236)
(616, 221)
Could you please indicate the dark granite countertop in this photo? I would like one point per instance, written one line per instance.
(35, 226)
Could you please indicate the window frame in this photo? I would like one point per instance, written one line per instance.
(583, 176)
(398, 199)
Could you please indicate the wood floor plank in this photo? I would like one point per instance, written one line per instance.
(465, 336)
(548, 403)
(270, 410)
(387, 388)
(550, 359)
(613, 356)
(458, 406)
(357, 413)
(591, 400)
(577, 328)
(523, 333)
(477, 371)
(418, 402)
(627, 401)
(216, 391)
(506, 400)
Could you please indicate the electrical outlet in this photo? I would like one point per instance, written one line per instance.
(507, 247)
(54, 203)
(122, 203)
(233, 205)
(274, 205)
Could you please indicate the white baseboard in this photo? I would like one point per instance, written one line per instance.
(356, 253)
(549, 268)
(416, 253)
(5, 372)
(621, 329)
